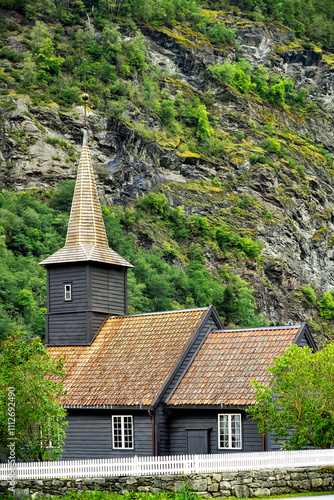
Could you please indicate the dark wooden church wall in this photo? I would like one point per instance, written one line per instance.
(67, 321)
(97, 321)
(208, 419)
(108, 286)
(62, 329)
(97, 291)
(89, 434)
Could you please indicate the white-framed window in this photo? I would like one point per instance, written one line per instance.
(122, 431)
(229, 431)
(68, 291)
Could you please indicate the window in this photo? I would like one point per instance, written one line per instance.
(68, 291)
(229, 431)
(122, 429)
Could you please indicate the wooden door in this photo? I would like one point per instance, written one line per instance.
(197, 441)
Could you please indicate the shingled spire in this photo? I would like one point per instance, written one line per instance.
(86, 279)
(86, 235)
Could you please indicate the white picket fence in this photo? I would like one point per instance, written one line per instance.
(179, 464)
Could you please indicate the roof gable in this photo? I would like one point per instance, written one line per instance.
(130, 359)
(222, 370)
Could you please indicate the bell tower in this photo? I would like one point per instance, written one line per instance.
(86, 279)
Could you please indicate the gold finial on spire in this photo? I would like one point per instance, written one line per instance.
(85, 98)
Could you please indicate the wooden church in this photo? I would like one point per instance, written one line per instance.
(171, 382)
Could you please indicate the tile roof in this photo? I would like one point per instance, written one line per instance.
(129, 360)
(86, 236)
(227, 361)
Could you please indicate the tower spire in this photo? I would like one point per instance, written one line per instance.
(86, 235)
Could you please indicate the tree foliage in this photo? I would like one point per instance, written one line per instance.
(298, 405)
(242, 76)
(34, 377)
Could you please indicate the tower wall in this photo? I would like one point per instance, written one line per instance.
(108, 289)
(97, 290)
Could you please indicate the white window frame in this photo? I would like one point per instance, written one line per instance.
(66, 285)
(123, 447)
(229, 447)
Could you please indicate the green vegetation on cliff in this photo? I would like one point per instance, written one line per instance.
(83, 37)
(307, 18)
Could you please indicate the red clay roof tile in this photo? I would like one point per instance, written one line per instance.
(222, 370)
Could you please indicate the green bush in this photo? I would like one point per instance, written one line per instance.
(68, 96)
(204, 130)
(309, 294)
(11, 55)
(199, 226)
(242, 76)
(236, 74)
(216, 182)
(227, 240)
(326, 306)
(257, 158)
(167, 112)
(245, 202)
(271, 145)
(155, 202)
(61, 198)
(219, 33)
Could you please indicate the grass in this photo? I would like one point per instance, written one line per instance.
(184, 494)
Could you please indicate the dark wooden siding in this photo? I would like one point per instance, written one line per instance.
(162, 432)
(97, 321)
(97, 291)
(89, 434)
(58, 276)
(181, 420)
(108, 289)
(303, 342)
(270, 443)
(67, 329)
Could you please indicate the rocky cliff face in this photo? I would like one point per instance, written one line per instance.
(288, 208)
